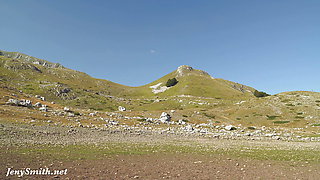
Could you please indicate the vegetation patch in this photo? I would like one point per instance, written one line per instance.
(272, 117)
(141, 120)
(299, 117)
(260, 94)
(280, 122)
(286, 100)
(209, 116)
(171, 82)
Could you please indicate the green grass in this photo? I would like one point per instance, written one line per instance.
(82, 152)
(280, 122)
(209, 116)
(141, 120)
(299, 117)
(272, 117)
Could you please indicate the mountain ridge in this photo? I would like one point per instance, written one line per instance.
(37, 76)
(197, 96)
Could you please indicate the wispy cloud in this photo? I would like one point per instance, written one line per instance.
(152, 51)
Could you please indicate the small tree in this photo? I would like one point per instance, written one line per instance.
(260, 94)
(171, 82)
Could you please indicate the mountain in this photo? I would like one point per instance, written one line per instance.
(36, 76)
(199, 83)
(195, 96)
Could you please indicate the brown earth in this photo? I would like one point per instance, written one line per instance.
(165, 166)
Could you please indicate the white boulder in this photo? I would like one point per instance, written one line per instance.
(230, 128)
(120, 108)
(165, 117)
(66, 109)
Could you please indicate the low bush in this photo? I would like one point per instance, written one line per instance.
(171, 82)
(260, 94)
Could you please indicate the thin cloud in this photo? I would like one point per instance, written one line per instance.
(152, 51)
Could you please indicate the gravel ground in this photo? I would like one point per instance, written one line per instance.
(172, 156)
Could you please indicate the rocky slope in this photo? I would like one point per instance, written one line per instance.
(51, 80)
(197, 98)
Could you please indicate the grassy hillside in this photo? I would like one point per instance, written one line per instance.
(198, 83)
(73, 88)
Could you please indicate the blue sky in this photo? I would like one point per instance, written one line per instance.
(273, 46)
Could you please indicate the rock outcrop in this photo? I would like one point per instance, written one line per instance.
(22, 102)
(165, 117)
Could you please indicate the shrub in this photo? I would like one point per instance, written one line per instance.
(171, 82)
(272, 117)
(142, 120)
(299, 117)
(209, 116)
(260, 94)
(280, 122)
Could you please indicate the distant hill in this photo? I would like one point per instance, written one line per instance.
(66, 86)
(199, 83)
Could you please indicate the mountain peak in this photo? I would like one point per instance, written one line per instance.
(187, 70)
(184, 68)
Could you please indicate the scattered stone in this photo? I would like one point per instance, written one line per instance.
(43, 108)
(165, 117)
(22, 102)
(120, 108)
(188, 128)
(40, 97)
(149, 120)
(181, 122)
(71, 114)
(67, 109)
(230, 128)
(38, 104)
(197, 162)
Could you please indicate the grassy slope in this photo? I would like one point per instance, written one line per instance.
(199, 85)
(19, 71)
